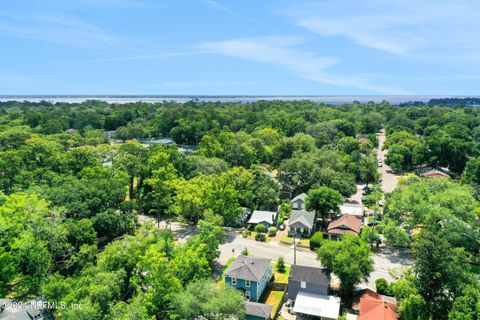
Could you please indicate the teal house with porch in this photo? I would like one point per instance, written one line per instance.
(250, 276)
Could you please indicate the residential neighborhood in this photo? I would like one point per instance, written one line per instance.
(311, 292)
(287, 210)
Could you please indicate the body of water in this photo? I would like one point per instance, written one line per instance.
(244, 99)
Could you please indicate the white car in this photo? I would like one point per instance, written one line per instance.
(381, 203)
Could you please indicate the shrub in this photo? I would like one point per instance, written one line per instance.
(382, 286)
(260, 237)
(316, 240)
(245, 251)
(260, 228)
(272, 231)
(281, 264)
(246, 233)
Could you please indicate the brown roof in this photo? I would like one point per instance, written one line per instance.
(434, 174)
(345, 224)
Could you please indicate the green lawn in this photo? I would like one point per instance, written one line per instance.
(304, 243)
(229, 262)
(272, 297)
(287, 240)
(281, 277)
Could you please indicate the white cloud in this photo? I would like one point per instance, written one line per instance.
(413, 28)
(223, 8)
(281, 52)
(56, 29)
(148, 56)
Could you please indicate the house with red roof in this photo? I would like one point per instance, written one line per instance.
(343, 225)
(370, 305)
(434, 173)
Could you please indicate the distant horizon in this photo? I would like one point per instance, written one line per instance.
(132, 98)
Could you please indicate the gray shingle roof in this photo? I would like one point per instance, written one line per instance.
(310, 275)
(301, 196)
(307, 218)
(259, 216)
(248, 268)
(258, 309)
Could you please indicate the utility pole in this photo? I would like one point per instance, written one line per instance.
(294, 248)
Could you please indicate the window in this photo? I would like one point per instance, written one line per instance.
(295, 205)
(247, 283)
(303, 284)
(234, 281)
(247, 295)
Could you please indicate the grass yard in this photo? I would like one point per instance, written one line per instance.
(304, 243)
(287, 240)
(281, 277)
(272, 297)
(229, 262)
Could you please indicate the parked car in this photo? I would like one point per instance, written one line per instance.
(281, 227)
(381, 203)
(366, 191)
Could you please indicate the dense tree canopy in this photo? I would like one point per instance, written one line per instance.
(74, 177)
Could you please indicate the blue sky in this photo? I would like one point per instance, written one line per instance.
(323, 47)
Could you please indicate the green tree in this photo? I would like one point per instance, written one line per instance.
(370, 236)
(467, 306)
(382, 286)
(471, 174)
(324, 201)
(280, 264)
(368, 169)
(208, 300)
(440, 272)
(414, 307)
(349, 259)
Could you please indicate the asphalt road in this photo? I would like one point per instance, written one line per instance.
(384, 260)
(269, 250)
(389, 179)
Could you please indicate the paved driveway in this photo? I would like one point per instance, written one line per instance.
(181, 231)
